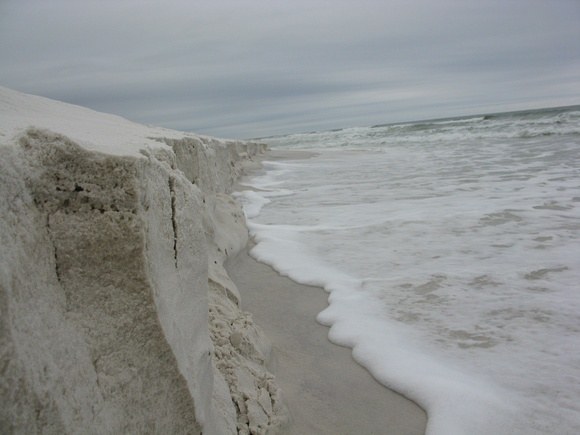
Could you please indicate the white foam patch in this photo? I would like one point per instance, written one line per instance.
(356, 321)
(252, 202)
(451, 267)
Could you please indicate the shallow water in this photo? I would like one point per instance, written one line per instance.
(451, 250)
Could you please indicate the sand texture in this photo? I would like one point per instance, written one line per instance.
(116, 314)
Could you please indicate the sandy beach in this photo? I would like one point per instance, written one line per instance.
(326, 391)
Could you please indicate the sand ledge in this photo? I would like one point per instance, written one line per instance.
(116, 312)
(113, 239)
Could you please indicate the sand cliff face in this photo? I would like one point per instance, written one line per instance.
(117, 315)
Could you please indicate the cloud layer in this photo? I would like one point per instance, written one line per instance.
(251, 68)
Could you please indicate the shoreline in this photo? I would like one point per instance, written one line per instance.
(325, 389)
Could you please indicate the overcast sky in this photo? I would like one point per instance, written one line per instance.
(257, 68)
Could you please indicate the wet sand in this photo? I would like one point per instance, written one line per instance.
(326, 391)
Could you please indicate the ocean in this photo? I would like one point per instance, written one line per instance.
(451, 253)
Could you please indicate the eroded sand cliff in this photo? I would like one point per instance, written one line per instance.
(117, 315)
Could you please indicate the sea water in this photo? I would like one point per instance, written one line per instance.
(451, 252)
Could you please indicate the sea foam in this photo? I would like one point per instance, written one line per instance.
(451, 265)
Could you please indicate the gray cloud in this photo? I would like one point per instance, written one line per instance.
(252, 68)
